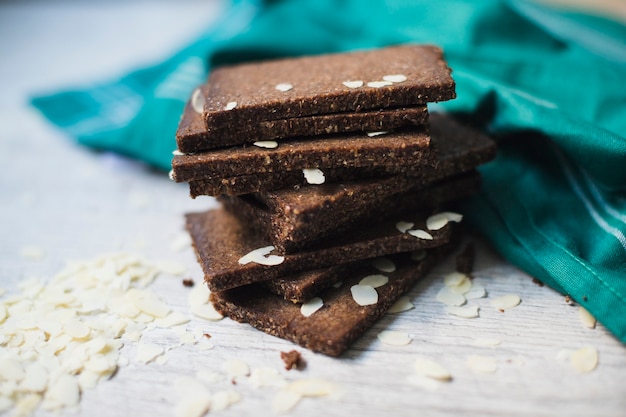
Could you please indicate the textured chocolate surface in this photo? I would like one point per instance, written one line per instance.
(318, 85)
(459, 148)
(246, 184)
(406, 147)
(220, 240)
(313, 232)
(192, 135)
(303, 286)
(334, 327)
(292, 219)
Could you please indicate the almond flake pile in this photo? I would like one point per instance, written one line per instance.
(63, 336)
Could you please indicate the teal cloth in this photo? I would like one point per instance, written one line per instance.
(549, 85)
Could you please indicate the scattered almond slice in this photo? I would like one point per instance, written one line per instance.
(394, 338)
(261, 256)
(313, 176)
(147, 352)
(222, 400)
(171, 174)
(33, 253)
(449, 297)
(584, 359)
(35, 378)
(230, 105)
(353, 84)
(467, 312)
(454, 278)
(457, 282)
(364, 295)
(482, 364)
(207, 312)
(311, 387)
(402, 304)
(64, 391)
(175, 318)
(171, 267)
(285, 401)
(404, 226)
(505, 302)
(437, 221)
(585, 318)
(421, 234)
(268, 144)
(148, 302)
(377, 133)
(375, 281)
(384, 264)
(197, 101)
(194, 399)
(379, 84)
(311, 306)
(267, 377)
(395, 78)
(181, 242)
(431, 369)
(440, 220)
(177, 152)
(284, 87)
(198, 295)
(236, 368)
(475, 292)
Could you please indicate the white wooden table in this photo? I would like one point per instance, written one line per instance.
(77, 204)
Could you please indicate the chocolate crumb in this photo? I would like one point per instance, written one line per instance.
(188, 282)
(537, 282)
(501, 310)
(292, 359)
(206, 335)
(465, 259)
(568, 300)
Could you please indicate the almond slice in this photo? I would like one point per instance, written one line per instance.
(197, 101)
(311, 306)
(395, 78)
(431, 369)
(314, 176)
(284, 87)
(421, 234)
(393, 338)
(268, 144)
(375, 281)
(505, 302)
(404, 226)
(353, 84)
(584, 359)
(364, 295)
(468, 312)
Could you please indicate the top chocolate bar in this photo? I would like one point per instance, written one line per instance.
(391, 77)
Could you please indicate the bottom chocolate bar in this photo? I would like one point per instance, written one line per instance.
(340, 321)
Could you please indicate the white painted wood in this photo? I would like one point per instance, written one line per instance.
(77, 204)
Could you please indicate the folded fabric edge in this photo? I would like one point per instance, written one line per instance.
(483, 213)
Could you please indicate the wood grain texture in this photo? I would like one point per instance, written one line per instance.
(77, 204)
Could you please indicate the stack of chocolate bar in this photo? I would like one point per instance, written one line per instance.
(334, 183)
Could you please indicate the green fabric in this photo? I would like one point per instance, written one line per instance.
(550, 86)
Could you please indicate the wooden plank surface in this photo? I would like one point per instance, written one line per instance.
(77, 204)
